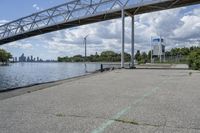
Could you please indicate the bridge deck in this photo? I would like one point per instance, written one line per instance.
(102, 16)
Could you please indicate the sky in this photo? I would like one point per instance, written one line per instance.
(179, 27)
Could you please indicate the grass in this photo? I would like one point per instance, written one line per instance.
(60, 115)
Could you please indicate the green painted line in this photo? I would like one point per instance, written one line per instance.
(122, 112)
(109, 122)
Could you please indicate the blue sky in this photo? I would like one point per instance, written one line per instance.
(180, 27)
(13, 9)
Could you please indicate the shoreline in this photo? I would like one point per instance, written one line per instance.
(8, 93)
(121, 96)
(55, 81)
(5, 94)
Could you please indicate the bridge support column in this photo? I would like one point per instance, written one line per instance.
(132, 42)
(122, 37)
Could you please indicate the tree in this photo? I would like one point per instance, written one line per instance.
(149, 55)
(4, 56)
(78, 58)
(138, 56)
(194, 60)
(184, 51)
(127, 57)
(144, 58)
(64, 59)
(109, 56)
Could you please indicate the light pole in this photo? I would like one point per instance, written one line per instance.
(160, 49)
(132, 42)
(122, 37)
(85, 42)
(151, 48)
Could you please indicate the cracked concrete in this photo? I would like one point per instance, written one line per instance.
(154, 101)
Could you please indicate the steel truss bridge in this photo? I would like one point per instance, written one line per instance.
(81, 12)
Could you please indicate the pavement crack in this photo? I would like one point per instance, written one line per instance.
(133, 122)
(127, 121)
(79, 116)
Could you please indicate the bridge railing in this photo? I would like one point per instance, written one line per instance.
(72, 10)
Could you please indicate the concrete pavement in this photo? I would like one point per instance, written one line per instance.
(122, 101)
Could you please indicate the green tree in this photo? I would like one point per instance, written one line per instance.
(138, 56)
(108, 56)
(184, 51)
(78, 58)
(194, 60)
(149, 56)
(144, 58)
(64, 59)
(127, 57)
(4, 56)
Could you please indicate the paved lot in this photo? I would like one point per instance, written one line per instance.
(121, 101)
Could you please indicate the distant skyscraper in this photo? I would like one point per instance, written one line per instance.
(22, 58)
(28, 59)
(31, 58)
(15, 59)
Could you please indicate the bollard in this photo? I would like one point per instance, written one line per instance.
(101, 67)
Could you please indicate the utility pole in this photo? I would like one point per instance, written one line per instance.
(151, 48)
(160, 50)
(132, 42)
(122, 37)
(85, 42)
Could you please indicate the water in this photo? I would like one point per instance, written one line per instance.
(23, 74)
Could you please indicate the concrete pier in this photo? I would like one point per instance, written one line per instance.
(120, 101)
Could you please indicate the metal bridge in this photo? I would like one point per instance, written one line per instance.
(80, 12)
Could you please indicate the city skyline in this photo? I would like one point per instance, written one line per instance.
(30, 58)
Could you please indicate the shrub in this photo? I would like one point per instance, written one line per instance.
(194, 60)
(4, 56)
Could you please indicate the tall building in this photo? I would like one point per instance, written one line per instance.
(31, 58)
(15, 59)
(28, 59)
(22, 58)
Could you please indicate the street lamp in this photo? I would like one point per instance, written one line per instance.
(85, 42)
(151, 48)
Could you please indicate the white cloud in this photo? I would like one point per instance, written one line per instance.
(3, 22)
(24, 46)
(36, 7)
(178, 26)
(189, 29)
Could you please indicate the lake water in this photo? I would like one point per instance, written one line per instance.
(23, 74)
